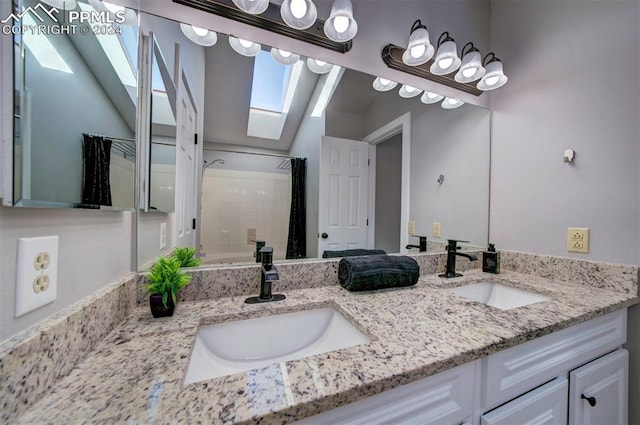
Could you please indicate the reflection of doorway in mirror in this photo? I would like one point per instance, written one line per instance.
(239, 207)
(388, 193)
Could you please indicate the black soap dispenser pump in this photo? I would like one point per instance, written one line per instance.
(491, 260)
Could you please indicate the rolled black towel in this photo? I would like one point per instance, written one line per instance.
(373, 272)
(352, 253)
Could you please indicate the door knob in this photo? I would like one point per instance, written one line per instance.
(324, 236)
(590, 400)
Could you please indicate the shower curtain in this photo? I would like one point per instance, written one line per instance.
(96, 158)
(297, 239)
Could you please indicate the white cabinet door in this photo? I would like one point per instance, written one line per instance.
(546, 405)
(598, 394)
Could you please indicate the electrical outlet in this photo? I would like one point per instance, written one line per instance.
(436, 229)
(163, 235)
(36, 273)
(412, 228)
(578, 239)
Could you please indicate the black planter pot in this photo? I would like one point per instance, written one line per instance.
(158, 309)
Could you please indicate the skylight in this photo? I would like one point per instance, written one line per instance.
(117, 53)
(43, 51)
(270, 81)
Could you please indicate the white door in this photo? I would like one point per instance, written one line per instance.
(546, 405)
(344, 178)
(185, 171)
(598, 393)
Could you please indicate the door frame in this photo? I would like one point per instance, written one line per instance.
(402, 124)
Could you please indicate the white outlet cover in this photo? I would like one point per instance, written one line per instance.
(28, 248)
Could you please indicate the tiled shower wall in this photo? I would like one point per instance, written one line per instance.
(233, 203)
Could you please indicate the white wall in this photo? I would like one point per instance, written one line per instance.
(575, 83)
(587, 98)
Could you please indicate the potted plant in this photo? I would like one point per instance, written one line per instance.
(186, 257)
(163, 283)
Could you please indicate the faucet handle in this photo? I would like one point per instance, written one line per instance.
(453, 244)
(267, 256)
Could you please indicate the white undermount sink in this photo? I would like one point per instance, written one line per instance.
(497, 295)
(226, 348)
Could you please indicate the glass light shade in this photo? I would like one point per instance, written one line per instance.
(254, 7)
(446, 60)
(419, 50)
(382, 84)
(451, 103)
(63, 4)
(130, 16)
(318, 66)
(471, 68)
(494, 76)
(298, 14)
(194, 34)
(430, 97)
(244, 47)
(408, 92)
(284, 57)
(341, 26)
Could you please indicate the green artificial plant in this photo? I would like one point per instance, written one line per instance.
(186, 256)
(167, 279)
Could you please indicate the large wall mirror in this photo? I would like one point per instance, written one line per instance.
(75, 109)
(374, 161)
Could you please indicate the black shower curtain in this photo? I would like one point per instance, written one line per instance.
(96, 158)
(297, 240)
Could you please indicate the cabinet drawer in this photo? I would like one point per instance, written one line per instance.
(545, 405)
(516, 370)
(442, 399)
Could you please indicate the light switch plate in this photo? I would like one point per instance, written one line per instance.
(163, 235)
(436, 229)
(36, 273)
(412, 228)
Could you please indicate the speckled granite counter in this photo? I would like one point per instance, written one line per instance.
(136, 374)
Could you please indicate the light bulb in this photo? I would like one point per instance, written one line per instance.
(417, 51)
(493, 80)
(452, 101)
(445, 63)
(298, 8)
(323, 63)
(341, 24)
(245, 43)
(409, 89)
(384, 81)
(284, 53)
(469, 72)
(432, 95)
(200, 31)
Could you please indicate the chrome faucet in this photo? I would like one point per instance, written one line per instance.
(268, 274)
(423, 243)
(452, 251)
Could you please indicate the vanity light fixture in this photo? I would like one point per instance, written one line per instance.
(284, 57)
(341, 26)
(199, 35)
(272, 20)
(299, 14)
(254, 7)
(446, 60)
(244, 47)
(451, 103)
(318, 66)
(382, 84)
(494, 76)
(471, 68)
(408, 91)
(429, 97)
(419, 49)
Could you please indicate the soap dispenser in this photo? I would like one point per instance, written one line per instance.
(491, 260)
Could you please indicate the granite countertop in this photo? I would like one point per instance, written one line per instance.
(136, 373)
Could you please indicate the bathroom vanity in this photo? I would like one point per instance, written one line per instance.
(433, 357)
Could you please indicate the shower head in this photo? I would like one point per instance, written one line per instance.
(207, 164)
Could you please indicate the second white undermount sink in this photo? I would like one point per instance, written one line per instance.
(496, 295)
(226, 348)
